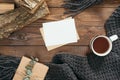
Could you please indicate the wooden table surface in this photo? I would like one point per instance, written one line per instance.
(29, 41)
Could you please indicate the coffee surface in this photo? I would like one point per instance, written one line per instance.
(101, 45)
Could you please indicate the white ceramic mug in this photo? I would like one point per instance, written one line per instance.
(109, 39)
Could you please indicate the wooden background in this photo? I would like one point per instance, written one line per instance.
(29, 41)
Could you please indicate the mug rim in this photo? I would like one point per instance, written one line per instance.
(106, 52)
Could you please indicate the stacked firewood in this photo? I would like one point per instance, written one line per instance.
(19, 17)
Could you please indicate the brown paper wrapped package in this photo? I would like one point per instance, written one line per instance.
(39, 70)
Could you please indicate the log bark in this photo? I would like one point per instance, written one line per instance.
(19, 18)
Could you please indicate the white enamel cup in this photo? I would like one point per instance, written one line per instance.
(109, 39)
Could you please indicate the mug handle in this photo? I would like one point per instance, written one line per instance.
(113, 37)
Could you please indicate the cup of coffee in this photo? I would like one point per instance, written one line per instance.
(102, 45)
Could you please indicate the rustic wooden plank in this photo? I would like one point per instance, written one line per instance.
(95, 14)
(52, 3)
(91, 14)
(110, 4)
(41, 52)
(103, 13)
(105, 3)
(32, 36)
(88, 19)
(86, 22)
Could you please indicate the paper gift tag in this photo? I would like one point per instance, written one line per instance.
(39, 70)
(60, 32)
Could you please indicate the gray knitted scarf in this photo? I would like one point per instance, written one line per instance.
(71, 67)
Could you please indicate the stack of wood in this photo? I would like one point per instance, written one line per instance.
(20, 17)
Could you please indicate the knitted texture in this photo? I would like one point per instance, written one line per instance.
(71, 67)
(77, 6)
(8, 66)
(113, 27)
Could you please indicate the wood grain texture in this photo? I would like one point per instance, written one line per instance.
(8, 1)
(106, 3)
(32, 36)
(89, 23)
(41, 51)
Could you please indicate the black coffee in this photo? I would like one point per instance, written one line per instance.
(101, 45)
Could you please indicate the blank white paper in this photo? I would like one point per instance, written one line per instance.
(60, 32)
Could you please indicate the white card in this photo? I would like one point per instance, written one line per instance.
(60, 32)
(55, 46)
